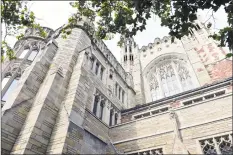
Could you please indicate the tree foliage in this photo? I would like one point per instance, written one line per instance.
(127, 17)
(16, 16)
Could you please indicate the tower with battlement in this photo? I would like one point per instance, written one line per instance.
(71, 96)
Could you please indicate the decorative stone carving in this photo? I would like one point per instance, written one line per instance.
(172, 114)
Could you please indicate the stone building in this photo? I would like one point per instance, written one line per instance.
(71, 96)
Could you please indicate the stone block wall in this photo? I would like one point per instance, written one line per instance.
(194, 122)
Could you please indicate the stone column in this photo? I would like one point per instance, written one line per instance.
(178, 146)
(123, 97)
(120, 93)
(116, 90)
(119, 118)
(106, 114)
(99, 69)
(98, 107)
(113, 118)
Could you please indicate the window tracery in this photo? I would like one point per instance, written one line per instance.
(158, 151)
(217, 145)
(168, 78)
(184, 76)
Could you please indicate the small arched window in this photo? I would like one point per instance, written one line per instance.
(130, 49)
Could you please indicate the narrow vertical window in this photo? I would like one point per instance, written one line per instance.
(23, 54)
(95, 104)
(92, 63)
(10, 90)
(116, 117)
(101, 109)
(110, 120)
(116, 89)
(119, 94)
(101, 73)
(125, 49)
(4, 81)
(97, 68)
(33, 55)
(123, 96)
(130, 49)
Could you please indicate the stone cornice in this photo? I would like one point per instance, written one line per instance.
(192, 92)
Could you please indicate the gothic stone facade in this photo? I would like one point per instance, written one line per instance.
(71, 96)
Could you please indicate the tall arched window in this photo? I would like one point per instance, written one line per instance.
(168, 77)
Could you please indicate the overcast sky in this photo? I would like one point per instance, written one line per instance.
(54, 14)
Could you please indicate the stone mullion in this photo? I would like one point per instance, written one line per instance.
(216, 146)
(113, 118)
(230, 137)
(177, 76)
(98, 107)
(119, 118)
(106, 112)
(120, 93)
(157, 75)
(94, 65)
(99, 70)
(116, 90)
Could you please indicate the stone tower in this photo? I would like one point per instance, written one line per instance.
(130, 61)
(71, 96)
(59, 95)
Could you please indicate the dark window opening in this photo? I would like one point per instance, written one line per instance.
(146, 114)
(125, 58)
(138, 116)
(92, 62)
(198, 100)
(130, 49)
(209, 96)
(155, 112)
(188, 102)
(101, 109)
(97, 68)
(95, 104)
(116, 117)
(220, 93)
(111, 115)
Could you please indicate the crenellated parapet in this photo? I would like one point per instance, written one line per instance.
(158, 43)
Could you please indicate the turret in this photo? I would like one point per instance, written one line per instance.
(128, 54)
